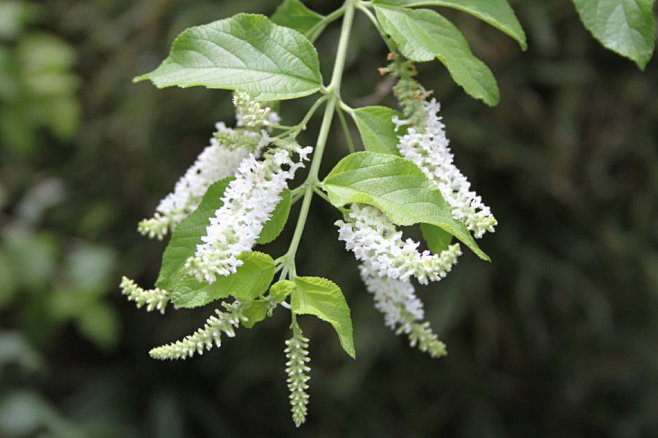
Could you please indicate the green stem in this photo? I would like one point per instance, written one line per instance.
(346, 129)
(313, 33)
(363, 7)
(333, 93)
(294, 131)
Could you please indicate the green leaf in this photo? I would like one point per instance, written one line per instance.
(626, 27)
(324, 299)
(277, 222)
(246, 52)
(436, 238)
(281, 289)
(375, 124)
(497, 13)
(422, 35)
(249, 282)
(294, 14)
(398, 188)
(188, 234)
(255, 312)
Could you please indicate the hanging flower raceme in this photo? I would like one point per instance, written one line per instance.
(152, 298)
(428, 147)
(395, 299)
(228, 147)
(375, 241)
(402, 310)
(387, 264)
(247, 204)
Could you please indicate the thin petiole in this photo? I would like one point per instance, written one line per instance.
(346, 129)
(318, 191)
(313, 33)
(293, 131)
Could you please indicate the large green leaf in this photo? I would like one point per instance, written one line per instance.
(423, 35)
(398, 188)
(375, 124)
(497, 13)
(294, 14)
(187, 235)
(324, 299)
(626, 27)
(250, 281)
(277, 222)
(246, 52)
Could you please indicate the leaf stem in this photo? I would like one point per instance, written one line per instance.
(293, 131)
(363, 7)
(313, 33)
(333, 94)
(346, 128)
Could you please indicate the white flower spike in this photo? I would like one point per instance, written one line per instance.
(248, 203)
(428, 148)
(377, 243)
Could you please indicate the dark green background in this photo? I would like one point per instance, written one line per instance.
(556, 337)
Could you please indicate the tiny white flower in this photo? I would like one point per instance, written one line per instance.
(428, 148)
(248, 203)
(375, 241)
(213, 164)
(395, 299)
(252, 114)
(228, 147)
(399, 123)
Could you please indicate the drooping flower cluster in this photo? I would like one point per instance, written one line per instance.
(297, 370)
(377, 243)
(251, 113)
(403, 311)
(396, 299)
(204, 338)
(248, 203)
(152, 298)
(228, 147)
(428, 148)
(387, 264)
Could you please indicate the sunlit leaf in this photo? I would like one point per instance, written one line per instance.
(246, 52)
(398, 188)
(324, 299)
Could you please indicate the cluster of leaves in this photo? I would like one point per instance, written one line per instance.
(533, 350)
(275, 60)
(271, 61)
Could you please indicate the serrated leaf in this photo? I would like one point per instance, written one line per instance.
(277, 222)
(436, 238)
(249, 282)
(324, 299)
(187, 235)
(295, 14)
(255, 312)
(246, 52)
(398, 188)
(626, 27)
(281, 289)
(423, 35)
(377, 130)
(497, 13)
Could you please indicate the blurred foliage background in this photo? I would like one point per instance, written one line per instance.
(556, 337)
